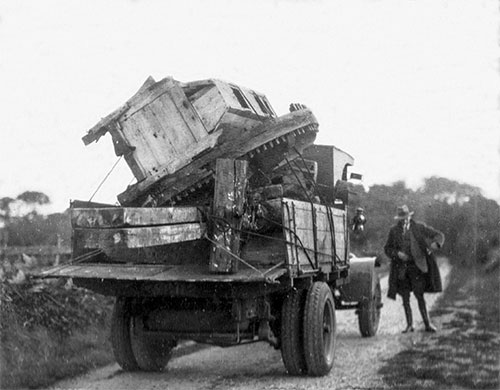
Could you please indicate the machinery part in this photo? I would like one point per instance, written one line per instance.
(363, 279)
(120, 334)
(292, 323)
(319, 329)
(152, 352)
(369, 312)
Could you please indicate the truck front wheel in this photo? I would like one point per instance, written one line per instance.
(319, 329)
(369, 313)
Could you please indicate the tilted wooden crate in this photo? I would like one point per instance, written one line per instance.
(167, 123)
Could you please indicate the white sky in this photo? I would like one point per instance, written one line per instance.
(409, 88)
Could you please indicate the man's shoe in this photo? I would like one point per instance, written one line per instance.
(430, 328)
(409, 328)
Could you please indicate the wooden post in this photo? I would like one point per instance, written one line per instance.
(229, 198)
(58, 250)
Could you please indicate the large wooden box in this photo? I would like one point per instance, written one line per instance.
(167, 123)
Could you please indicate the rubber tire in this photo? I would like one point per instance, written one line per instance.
(292, 334)
(369, 313)
(319, 329)
(152, 352)
(120, 334)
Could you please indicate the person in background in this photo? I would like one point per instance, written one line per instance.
(359, 220)
(413, 264)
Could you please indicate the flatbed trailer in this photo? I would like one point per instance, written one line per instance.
(246, 240)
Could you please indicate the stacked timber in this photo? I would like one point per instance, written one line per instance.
(127, 234)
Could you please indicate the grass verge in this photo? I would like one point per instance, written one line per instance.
(464, 354)
(51, 333)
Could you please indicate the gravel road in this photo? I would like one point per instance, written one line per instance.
(259, 366)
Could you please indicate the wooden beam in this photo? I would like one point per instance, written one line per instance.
(229, 199)
(101, 127)
(138, 237)
(132, 216)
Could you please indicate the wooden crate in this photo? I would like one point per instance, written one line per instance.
(167, 123)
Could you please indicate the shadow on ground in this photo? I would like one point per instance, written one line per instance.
(464, 353)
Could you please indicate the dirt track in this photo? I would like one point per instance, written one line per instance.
(259, 366)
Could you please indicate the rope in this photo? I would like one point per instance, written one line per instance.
(76, 260)
(299, 181)
(314, 184)
(105, 178)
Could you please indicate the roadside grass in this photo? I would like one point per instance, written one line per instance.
(51, 334)
(465, 353)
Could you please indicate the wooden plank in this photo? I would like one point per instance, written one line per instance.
(265, 251)
(101, 127)
(160, 273)
(234, 119)
(138, 237)
(305, 240)
(192, 121)
(200, 91)
(160, 135)
(271, 191)
(132, 216)
(228, 207)
(210, 107)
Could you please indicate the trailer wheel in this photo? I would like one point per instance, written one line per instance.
(152, 352)
(120, 334)
(369, 313)
(319, 329)
(292, 343)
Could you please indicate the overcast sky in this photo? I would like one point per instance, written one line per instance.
(409, 88)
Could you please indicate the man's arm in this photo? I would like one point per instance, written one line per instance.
(435, 237)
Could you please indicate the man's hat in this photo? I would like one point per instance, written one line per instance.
(403, 212)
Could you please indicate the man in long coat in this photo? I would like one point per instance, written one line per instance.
(413, 265)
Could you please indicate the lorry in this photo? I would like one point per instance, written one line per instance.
(235, 231)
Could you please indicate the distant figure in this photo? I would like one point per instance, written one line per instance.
(413, 265)
(359, 220)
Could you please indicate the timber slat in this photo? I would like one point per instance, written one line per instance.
(138, 237)
(298, 222)
(132, 216)
(229, 199)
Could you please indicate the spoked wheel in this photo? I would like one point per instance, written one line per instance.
(319, 329)
(292, 339)
(369, 313)
(133, 347)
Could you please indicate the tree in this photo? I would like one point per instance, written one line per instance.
(27, 227)
(34, 197)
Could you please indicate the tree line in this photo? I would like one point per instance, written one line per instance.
(23, 224)
(469, 220)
